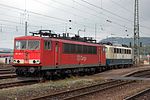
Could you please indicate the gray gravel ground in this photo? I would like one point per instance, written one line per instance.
(118, 93)
(2, 81)
(27, 92)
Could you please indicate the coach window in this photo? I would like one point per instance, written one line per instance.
(47, 45)
(114, 50)
(117, 50)
(120, 50)
(129, 51)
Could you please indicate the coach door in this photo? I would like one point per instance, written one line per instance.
(57, 55)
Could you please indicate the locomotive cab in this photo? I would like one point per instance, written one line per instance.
(27, 54)
(31, 53)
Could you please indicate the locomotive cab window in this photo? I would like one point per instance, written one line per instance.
(47, 45)
(21, 45)
(33, 45)
(27, 44)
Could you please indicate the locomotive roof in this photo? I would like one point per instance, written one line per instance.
(49, 34)
(28, 37)
(75, 42)
(57, 39)
(117, 46)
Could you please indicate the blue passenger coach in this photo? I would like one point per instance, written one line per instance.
(118, 56)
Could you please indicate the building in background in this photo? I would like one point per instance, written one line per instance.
(6, 56)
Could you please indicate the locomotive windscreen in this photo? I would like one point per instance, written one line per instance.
(27, 45)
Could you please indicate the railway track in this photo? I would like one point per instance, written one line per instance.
(5, 76)
(143, 73)
(143, 95)
(17, 83)
(6, 71)
(75, 93)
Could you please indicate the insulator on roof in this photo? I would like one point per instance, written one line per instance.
(67, 34)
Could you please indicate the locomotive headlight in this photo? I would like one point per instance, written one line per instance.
(34, 61)
(37, 61)
(19, 61)
(14, 61)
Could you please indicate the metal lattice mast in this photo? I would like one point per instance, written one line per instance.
(136, 33)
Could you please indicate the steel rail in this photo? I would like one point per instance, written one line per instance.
(137, 95)
(69, 94)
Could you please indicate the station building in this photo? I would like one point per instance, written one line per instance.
(6, 58)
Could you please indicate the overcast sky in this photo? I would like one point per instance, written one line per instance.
(100, 18)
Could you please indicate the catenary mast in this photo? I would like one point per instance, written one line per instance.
(136, 34)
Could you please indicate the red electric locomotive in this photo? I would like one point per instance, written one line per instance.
(46, 53)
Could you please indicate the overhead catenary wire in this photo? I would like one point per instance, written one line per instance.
(110, 12)
(79, 16)
(116, 3)
(36, 13)
(98, 12)
(63, 20)
(105, 10)
(130, 12)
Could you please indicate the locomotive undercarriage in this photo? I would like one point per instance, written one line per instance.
(28, 71)
(63, 72)
(53, 73)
